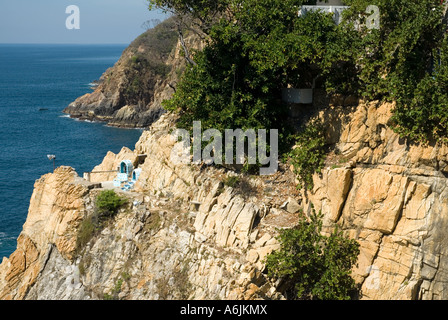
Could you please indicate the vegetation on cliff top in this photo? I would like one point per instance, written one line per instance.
(255, 48)
(147, 63)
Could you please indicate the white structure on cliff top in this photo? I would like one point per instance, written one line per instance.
(127, 176)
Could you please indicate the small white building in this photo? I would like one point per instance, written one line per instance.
(124, 172)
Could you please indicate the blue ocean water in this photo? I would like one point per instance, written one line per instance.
(35, 77)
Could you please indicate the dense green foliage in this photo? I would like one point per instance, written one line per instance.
(198, 8)
(398, 54)
(237, 79)
(312, 265)
(422, 111)
(405, 61)
(108, 203)
(308, 156)
(221, 93)
(257, 47)
(265, 47)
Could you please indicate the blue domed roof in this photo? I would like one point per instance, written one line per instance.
(126, 167)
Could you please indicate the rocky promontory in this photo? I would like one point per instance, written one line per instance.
(130, 93)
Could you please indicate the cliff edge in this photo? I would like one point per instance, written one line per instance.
(186, 234)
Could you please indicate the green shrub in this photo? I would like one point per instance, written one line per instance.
(231, 181)
(421, 113)
(312, 265)
(405, 61)
(108, 203)
(241, 185)
(308, 156)
(135, 60)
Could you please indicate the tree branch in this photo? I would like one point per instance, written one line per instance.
(184, 46)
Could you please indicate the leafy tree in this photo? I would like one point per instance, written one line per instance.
(257, 47)
(399, 53)
(236, 80)
(198, 8)
(422, 111)
(313, 266)
(201, 13)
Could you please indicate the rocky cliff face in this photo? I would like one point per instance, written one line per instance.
(183, 235)
(130, 93)
(57, 207)
(186, 235)
(390, 195)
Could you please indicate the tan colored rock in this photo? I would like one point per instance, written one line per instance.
(56, 209)
(339, 181)
(417, 207)
(391, 269)
(376, 199)
(386, 212)
(330, 192)
(392, 199)
(252, 256)
(262, 241)
(55, 212)
(291, 205)
(396, 204)
(159, 171)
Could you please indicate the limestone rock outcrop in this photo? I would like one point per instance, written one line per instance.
(183, 235)
(56, 209)
(390, 195)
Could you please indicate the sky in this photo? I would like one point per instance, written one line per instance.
(100, 21)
